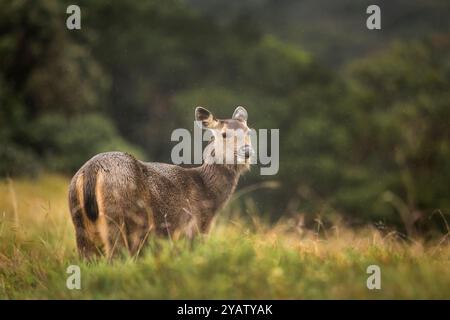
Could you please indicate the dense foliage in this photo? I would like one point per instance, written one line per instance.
(371, 141)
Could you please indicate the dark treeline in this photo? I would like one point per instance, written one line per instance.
(370, 142)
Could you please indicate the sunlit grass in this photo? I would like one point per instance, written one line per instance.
(238, 260)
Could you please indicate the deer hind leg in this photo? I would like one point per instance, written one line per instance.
(86, 244)
(110, 223)
(126, 230)
(139, 225)
(126, 221)
(115, 237)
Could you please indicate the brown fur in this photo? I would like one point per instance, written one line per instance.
(116, 201)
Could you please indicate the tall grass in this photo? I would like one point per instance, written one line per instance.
(239, 259)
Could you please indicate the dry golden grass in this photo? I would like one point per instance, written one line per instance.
(237, 260)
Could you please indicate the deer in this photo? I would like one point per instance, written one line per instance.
(116, 201)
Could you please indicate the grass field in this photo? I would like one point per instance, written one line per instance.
(237, 260)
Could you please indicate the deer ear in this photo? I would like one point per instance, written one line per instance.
(240, 114)
(205, 118)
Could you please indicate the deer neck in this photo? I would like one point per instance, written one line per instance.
(220, 180)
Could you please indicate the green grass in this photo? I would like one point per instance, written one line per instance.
(236, 261)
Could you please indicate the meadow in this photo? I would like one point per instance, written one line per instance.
(240, 259)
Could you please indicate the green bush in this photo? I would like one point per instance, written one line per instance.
(16, 160)
(66, 143)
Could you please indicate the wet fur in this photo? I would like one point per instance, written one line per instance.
(117, 201)
(138, 198)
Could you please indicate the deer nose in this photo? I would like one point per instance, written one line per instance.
(246, 151)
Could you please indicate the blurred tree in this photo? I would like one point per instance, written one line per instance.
(38, 53)
(67, 143)
(401, 131)
(369, 144)
(42, 70)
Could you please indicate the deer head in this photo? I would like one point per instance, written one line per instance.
(230, 138)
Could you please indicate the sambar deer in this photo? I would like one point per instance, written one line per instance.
(116, 201)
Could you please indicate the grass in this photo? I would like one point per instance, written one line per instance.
(236, 261)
